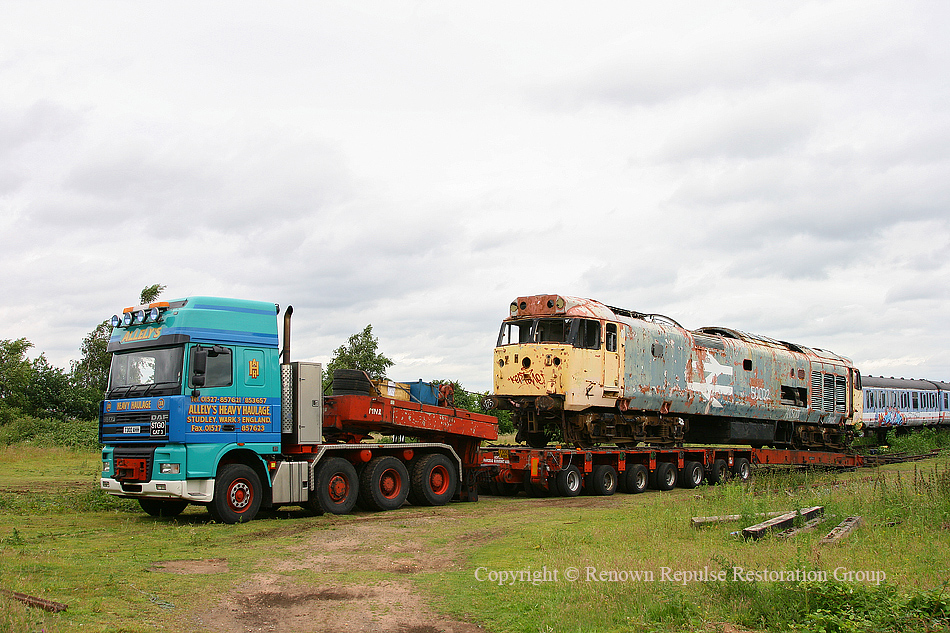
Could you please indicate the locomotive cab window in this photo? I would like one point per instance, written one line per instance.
(611, 338)
(588, 334)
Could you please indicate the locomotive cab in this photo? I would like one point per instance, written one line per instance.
(556, 354)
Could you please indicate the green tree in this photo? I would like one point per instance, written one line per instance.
(151, 293)
(16, 371)
(92, 370)
(360, 352)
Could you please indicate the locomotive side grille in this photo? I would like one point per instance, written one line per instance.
(841, 395)
(815, 390)
(828, 393)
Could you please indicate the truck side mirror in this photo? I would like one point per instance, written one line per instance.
(199, 367)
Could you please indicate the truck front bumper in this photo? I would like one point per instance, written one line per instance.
(194, 490)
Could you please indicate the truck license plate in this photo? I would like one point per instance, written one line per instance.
(131, 429)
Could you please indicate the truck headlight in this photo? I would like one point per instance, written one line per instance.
(169, 469)
(106, 466)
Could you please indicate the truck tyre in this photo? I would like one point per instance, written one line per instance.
(602, 481)
(350, 386)
(434, 480)
(535, 491)
(335, 485)
(742, 469)
(718, 473)
(163, 507)
(692, 475)
(636, 478)
(569, 481)
(538, 440)
(237, 494)
(384, 483)
(665, 476)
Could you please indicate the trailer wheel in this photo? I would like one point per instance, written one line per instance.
(335, 485)
(384, 483)
(718, 473)
(163, 507)
(664, 477)
(535, 491)
(538, 440)
(434, 480)
(742, 469)
(237, 494)
(602, 481)
(506, 488)
(569, 481)
(636, 478)
(692, 475)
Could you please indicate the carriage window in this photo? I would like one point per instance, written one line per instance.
(914, 401)
(611, 337)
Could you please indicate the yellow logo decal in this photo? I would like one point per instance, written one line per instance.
(253, 368)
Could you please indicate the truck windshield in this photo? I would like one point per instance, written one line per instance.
(577, 332)
(146, 372)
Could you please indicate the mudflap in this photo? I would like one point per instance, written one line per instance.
(468, 486)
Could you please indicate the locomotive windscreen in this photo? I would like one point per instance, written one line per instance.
(577, 332)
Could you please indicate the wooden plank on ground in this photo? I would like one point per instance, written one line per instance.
(728, 518)
(781, 522)
(844, 528)
(795, 531)
(33, 601)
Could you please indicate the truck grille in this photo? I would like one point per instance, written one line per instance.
(133, 427)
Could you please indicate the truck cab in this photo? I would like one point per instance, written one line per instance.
(194, 385)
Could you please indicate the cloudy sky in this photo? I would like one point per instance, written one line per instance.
(781, 168)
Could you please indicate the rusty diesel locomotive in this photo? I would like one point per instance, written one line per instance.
(585, 373)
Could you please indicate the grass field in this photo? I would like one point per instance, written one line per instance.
(421, 570)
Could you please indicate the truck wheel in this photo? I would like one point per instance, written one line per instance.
(163, 507)
(538, 440)
(335, 485)
(636, 479)
(535, 491)
(434, 480)
(602, 481)
(718, 473)
(665, 475)
(692, 475)
(742, 469)
(569, 481)
(384, 483)
(237, 494)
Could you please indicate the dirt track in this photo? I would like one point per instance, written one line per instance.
(282, 599)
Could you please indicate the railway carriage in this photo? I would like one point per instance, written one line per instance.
(583, 372)
(904, 404)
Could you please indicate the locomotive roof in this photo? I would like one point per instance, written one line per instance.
(561, 305)
(902, 383)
